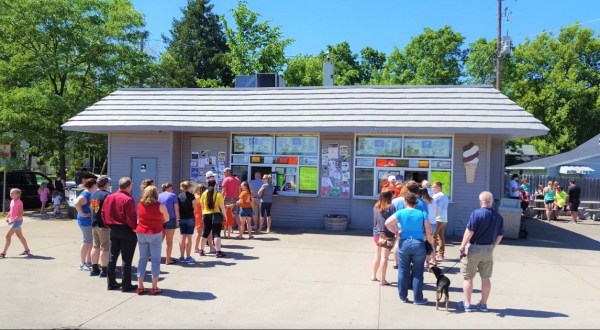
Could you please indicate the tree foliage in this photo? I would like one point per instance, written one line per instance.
(57, 57)
(254, 47)
(431, 58)
(304, 70)
(557, 80)
(196, 50)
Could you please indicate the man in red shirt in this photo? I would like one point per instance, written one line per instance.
(119, 216)
(231, 192)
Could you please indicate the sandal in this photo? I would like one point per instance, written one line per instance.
(155, 291)
(2, 255)
(386, 283)
(25, 253)
(141, 291)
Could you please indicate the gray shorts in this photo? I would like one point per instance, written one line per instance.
(87, 234)
(479, 258)
(236, 208)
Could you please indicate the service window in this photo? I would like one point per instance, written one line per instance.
(406, 157)
(291, 158)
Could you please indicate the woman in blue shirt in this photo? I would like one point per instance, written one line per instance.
(414, 228)
(84, 220)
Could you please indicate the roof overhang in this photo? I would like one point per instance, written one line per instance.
(575, 170)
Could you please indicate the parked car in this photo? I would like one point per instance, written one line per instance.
(28, 182)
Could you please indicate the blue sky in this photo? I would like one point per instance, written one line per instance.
(385, 24)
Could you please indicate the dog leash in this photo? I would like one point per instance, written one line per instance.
(448, 269)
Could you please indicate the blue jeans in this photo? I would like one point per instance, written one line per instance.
(411, 251)
(149, 245)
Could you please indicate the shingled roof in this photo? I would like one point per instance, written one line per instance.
(365, 109)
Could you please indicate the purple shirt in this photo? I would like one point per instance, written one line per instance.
(169, 200)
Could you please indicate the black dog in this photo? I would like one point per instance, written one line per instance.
(443, 285)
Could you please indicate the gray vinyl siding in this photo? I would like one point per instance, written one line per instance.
(465, 196)
(124, 146)
(307, 212)
(497, 167)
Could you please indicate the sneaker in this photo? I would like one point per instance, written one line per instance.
(102, 274)
(85, 267)
(395, 266)
(95, 272)
(202, 254)
(422, 302)
(482, 307)
(181, 259)
(405, 301)
(190, 260)
(220, 254)
(465, 307)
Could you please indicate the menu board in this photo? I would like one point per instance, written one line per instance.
(445, 178)
(428, 147)
(252, 144)
(378, 146)
(307, 183)
(296, 145)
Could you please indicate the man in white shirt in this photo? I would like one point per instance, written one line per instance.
(441, 208)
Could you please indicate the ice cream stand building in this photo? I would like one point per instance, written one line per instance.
(329, 149)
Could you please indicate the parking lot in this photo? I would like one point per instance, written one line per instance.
(295, 278)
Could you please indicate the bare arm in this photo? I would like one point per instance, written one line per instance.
(79, 203)
(392, 224)
(498, 239)
(164, 212)
(466, 238)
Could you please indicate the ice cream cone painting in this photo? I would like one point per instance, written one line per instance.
(470, 160)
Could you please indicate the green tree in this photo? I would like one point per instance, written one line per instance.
(254, 47)
(557, 80)
(371, 64)
(57, 57)
(196, 51)
(431, 58)
(346, 70)
(304, 70)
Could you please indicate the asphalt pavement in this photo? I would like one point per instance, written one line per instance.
(297, 278)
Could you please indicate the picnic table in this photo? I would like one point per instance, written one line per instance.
(539, 206)
(593, 208)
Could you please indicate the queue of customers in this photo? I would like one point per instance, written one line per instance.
(113, 224)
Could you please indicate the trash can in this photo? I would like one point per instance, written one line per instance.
(335, 222)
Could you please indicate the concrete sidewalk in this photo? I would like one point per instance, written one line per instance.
(300, 279)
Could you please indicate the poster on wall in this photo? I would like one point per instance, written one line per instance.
(308, 180)
(203, 163)
(335, 176)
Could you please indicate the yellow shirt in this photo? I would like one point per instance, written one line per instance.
(218, 201)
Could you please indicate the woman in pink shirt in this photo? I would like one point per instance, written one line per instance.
(15, 219)
(151, 216)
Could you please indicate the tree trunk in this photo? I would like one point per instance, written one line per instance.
(62, 157)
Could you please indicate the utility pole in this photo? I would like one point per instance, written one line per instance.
(498, 47)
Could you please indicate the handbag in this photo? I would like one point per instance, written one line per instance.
(428, 248)
(385, 241)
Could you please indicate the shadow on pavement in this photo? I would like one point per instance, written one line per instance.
(237, 247)
(526, 313)
(543, 234)
(38, 257)
(188, 295)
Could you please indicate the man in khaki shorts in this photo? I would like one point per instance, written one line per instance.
(483, 233)
(100, 247)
